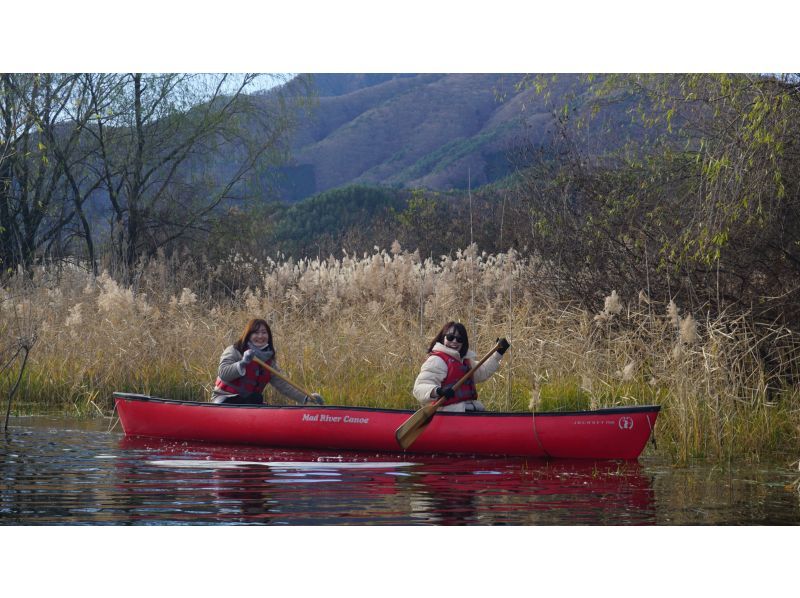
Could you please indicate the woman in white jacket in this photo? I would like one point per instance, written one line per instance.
(449, 358)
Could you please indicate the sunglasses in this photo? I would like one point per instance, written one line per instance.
(453, 338)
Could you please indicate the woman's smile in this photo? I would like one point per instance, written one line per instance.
(260, 337)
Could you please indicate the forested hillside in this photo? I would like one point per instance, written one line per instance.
(437, 131)
(696, 196)
(679, 185)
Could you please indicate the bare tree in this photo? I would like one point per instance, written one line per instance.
(158, 155)
(32, 107)
(160, 140)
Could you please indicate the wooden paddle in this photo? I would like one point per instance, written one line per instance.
(410, 429)
(275, 372)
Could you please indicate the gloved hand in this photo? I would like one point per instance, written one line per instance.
(445, 391)
(315, 398)
(504, 345)
(248, 356)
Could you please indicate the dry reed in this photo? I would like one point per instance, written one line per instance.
(355, 329)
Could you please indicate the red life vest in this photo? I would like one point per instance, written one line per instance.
(455, 371)
(255, 379)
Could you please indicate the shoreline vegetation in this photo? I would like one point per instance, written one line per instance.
(355, 329)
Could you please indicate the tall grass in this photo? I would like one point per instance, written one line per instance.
(356, 328)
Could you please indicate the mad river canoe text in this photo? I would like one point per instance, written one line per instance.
(334, 419)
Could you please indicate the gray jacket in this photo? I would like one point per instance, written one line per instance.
(229, 370)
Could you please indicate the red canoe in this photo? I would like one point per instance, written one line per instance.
(614, 433)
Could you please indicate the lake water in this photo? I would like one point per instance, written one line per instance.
(59, 471)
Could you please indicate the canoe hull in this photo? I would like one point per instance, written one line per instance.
(618, 433)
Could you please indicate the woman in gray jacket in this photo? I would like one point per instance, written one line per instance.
(241, 381)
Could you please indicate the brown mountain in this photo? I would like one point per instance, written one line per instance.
(416, 130)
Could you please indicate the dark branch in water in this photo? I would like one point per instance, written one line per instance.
(25, 346)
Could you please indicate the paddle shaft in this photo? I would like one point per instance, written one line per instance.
(409, 430)
(275, 372)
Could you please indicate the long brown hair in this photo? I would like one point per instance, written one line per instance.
(460, 330)
(252, 326)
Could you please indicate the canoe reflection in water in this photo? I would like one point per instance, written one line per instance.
(544, 492)
(185, 482)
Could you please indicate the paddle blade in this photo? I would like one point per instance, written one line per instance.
(410, 429)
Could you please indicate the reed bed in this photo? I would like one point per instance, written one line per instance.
(355, 328)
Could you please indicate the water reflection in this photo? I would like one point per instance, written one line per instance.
(501, 492)
(248, 485)
(56, 473)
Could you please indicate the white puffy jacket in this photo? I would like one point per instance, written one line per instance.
(434, 371)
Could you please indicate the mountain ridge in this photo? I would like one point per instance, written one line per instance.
(438, 131)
